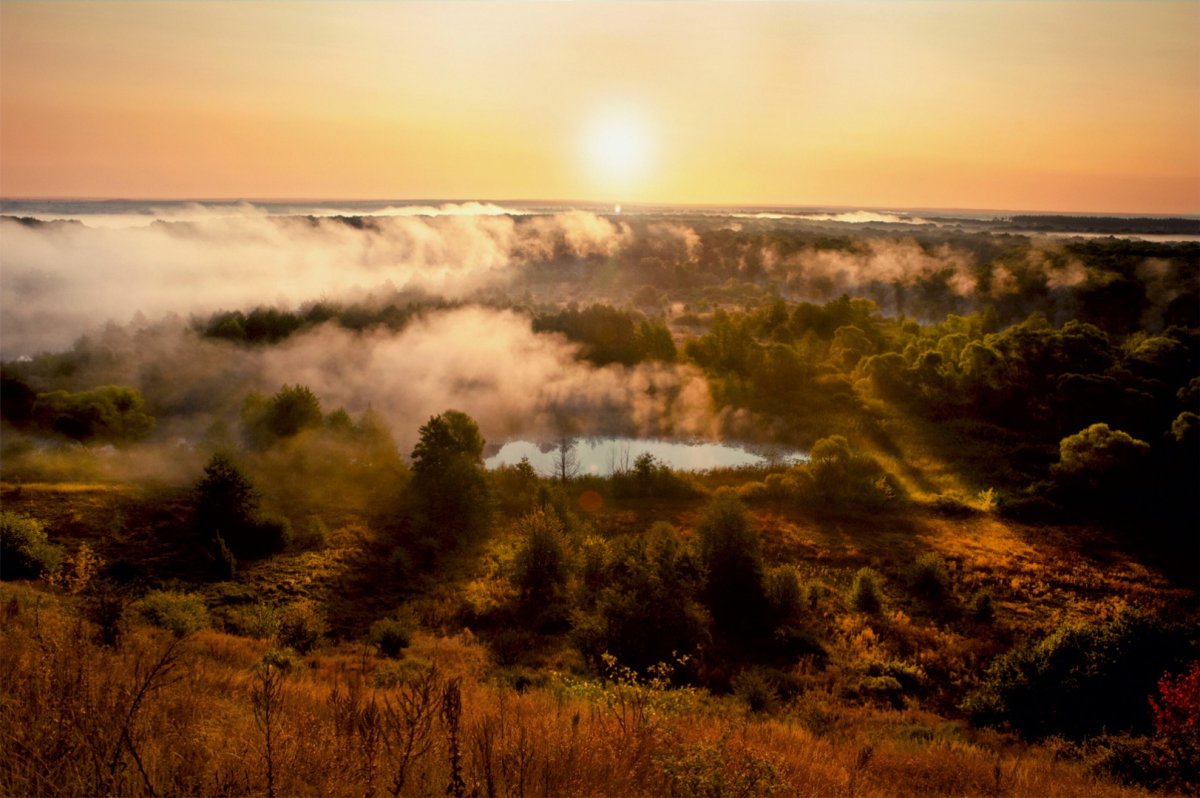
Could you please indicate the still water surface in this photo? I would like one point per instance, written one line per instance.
(603, 456)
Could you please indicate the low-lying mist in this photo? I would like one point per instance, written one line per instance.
(486, 362)
(63, 278)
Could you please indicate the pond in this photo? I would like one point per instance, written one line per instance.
(603, 456)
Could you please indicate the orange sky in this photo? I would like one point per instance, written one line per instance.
(1014, 105)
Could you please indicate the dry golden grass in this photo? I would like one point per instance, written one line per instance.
(159, 716)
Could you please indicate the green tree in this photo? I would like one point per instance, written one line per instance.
(542, 568)
(731, 553)
(1101, 465)
(112, 413)
(654, 342)
(844, 477)
(452, 500)
(225, 499)
(293, 409)
(646, 610)
(228, 513)
(850, 345)
(1082, 679)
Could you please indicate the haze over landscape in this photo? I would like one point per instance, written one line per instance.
(574, 399)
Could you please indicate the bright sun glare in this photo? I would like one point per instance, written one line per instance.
(616, 149)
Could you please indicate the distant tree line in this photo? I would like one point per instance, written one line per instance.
(268, 325)
(610, 335)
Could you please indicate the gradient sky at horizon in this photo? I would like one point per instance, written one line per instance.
(1055, 106)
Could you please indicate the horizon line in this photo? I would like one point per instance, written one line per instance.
(603, 203)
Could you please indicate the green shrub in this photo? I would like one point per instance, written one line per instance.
(910, 677)
(400, 673)
(1082, 679)
(257, 620)
(786, 594)
(720, 769)
(284, 660)
(25, 551)
(301, 627)
(649, 477)
(885, 689)
(541, 570)
(266, 534)
(112, 413)
(392, 635)
(756, 688)
(647, 611)
(929, 579)
(865, 593)
(179, 613)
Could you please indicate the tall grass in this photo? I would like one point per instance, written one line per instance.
(214, 714)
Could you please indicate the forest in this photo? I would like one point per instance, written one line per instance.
(251, 546)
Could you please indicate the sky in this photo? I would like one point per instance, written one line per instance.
(1055, 106)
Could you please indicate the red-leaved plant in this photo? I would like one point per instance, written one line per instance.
(1177, 709)
(1176, 744)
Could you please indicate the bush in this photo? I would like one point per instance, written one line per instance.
(1081, 680)
(225, 500)
(650, 478)
(982, 609)
(755, 688)
(785, 594)
(25, 551)
(541, 570)
(723, 768)
(112, 413)
(179, 613)
(1176, 711)
(646, 611)
(884, 689)
(301, 627)
(844, 478)
(865, 593)
(105, 607)
(284, 415)
(258, 620)
(392, 635)
(266, 534)
(929, 579)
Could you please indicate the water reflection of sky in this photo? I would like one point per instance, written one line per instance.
(603, 456)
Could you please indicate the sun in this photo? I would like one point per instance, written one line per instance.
(616, 148)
